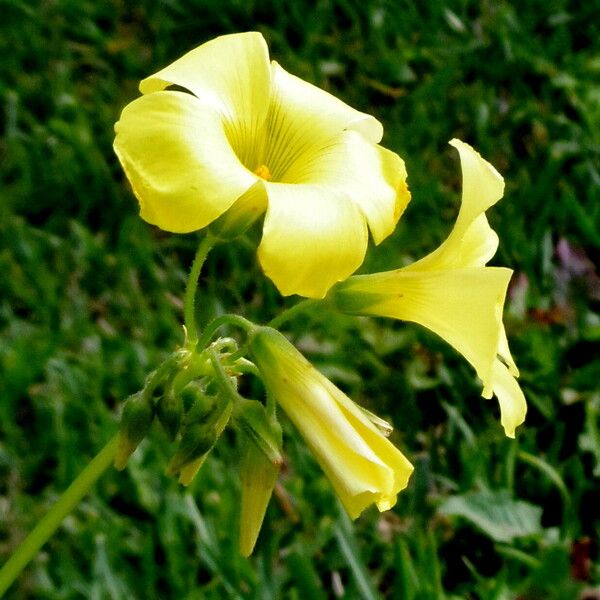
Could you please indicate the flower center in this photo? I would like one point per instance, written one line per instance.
(263, 172)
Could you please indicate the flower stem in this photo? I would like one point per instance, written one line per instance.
(290, 313)
(212, 327)
(189, 306)
(52, 520)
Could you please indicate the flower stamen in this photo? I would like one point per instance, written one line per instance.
(263, 172)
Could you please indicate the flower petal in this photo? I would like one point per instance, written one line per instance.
(308, 109)
(513, 406)
(362, 465)
(313, 236)
(462, 306)
(231, 74)
(505, 355)
(359, 476)
(482, 185)
(371, 176)
(179, 161)
(380, 445)
(472, 242)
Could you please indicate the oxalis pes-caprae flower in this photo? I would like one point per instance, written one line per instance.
(223, 128)
(222, 136)
(453, 293)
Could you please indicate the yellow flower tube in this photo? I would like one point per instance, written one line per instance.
(451, 291)
(363, 466)
(222, 124)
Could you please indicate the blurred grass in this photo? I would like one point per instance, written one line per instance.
(90, 302)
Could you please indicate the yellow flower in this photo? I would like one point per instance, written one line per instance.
(223, 126)
(362, 465)
(453, 293)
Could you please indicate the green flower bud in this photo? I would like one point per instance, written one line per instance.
(197, 440)
(198, 405)
(169, 411)
(137, 417)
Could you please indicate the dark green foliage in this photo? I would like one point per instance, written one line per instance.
(90, 303)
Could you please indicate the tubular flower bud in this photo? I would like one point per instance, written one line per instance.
(246, 138)
(169, 411)
(197, 441)
(362, 465)
(259, 469)
(452, 292)
(138, 415)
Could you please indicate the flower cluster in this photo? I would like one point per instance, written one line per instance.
(223, 137)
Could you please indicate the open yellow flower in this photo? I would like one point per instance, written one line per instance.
(453, 293)
(363, 466)
(222, 126)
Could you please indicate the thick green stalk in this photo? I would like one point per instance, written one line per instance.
(50, 523)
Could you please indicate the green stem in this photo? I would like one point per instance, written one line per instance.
(290, 313)
(50, 523)
(159, 375)
(189, 306)
(223, 381)
(212, 327)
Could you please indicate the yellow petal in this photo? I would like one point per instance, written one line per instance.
(231, 74)
(362, 465)
(505, 355)
(179, 161)
(371, 176)
(513, 406)
(482, 185)
(462, 306)
(313, 236)
(308, 107)
(303, 119)
(380, 445)
(471, 242)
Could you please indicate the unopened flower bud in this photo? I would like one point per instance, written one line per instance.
(258, 475)
(198, 405)
(215, 421)
(197, 440)
(169, 411)
(138, 414)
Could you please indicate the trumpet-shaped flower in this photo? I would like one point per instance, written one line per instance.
(224, 129)
(363, 466)
(453, 293)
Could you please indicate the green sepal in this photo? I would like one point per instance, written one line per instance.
(246, 210)
(197, 440)
(198, 405)
(169, 411)
(262, 428)
(138, 414)
(199, 437)
(355, 302)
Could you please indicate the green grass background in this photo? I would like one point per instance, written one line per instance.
(90, 302)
